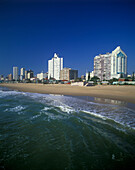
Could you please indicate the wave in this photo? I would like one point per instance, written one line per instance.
(17, 109)
(70, 105)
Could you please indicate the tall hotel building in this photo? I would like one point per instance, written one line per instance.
(22, 73)
(110, 65)
(15, 73)
(118, 63)
(102, 66)
(55, 65)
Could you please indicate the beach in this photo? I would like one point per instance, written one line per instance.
(122, 93)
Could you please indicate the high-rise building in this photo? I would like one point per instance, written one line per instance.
(10, 77)
(55, 65)
(118, 63)
(22, 73)
(68, 74)
(110, 65)
(15, 73)
(102, 66)
(26, 76)
(30, 74)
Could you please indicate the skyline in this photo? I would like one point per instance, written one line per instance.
(78, 31)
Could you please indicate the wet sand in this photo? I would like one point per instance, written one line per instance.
(122, 93)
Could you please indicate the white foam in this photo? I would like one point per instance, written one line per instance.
(15, 109)
(36, 116)
(67, 109)
(52, 116)
(94, 114)
(69, 105)
(46, 108)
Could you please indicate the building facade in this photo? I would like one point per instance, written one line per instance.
(68, 74)
(30, 74)
(118, 63)
(55, 65)
(110, 65)
(1, 77)
(42, 75)
(26, 76)
(102, 66)
(15, 73)
(22, 73)
(89, 75)
(10, 77)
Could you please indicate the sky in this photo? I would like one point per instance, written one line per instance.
(78, 30)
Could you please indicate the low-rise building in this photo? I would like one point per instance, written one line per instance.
(10, 77)
(68, 74)
(89, 75)
(42, 75)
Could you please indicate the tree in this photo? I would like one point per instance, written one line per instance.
(88, 76)
(133, 76)
(121, 75)
(103, 76)
(113, 80)
(95, 79)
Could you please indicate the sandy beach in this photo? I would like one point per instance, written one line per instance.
(123, 93)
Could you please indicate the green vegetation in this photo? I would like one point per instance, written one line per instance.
(95, 79)
(113, 80)
(133, 77)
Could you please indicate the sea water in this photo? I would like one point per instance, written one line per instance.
(42, 131)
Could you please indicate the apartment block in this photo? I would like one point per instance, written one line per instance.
(110, 65)
(68, 74)
(55, 65)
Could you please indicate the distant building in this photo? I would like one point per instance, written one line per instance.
(30, 74)
(129, 75)
(1, 77)
(118, 63)
(83, 77)
(68, 74)
(89, 75)
(10, 77)
(42, 75)
(102, 66)
(15, 73)
(22, 73)
(55, 65)
(26, 76)
(110, 65)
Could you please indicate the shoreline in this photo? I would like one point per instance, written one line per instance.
(121, 93)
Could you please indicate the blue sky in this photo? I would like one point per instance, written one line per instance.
(78, 30)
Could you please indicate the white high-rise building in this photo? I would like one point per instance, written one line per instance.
(22, 73)
(55, 65)
(15, 73)
(111, 65)
(118, 63)
(102, 66)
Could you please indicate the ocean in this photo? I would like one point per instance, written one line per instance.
(55, 132)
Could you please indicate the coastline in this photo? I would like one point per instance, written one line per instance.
(121, 93)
